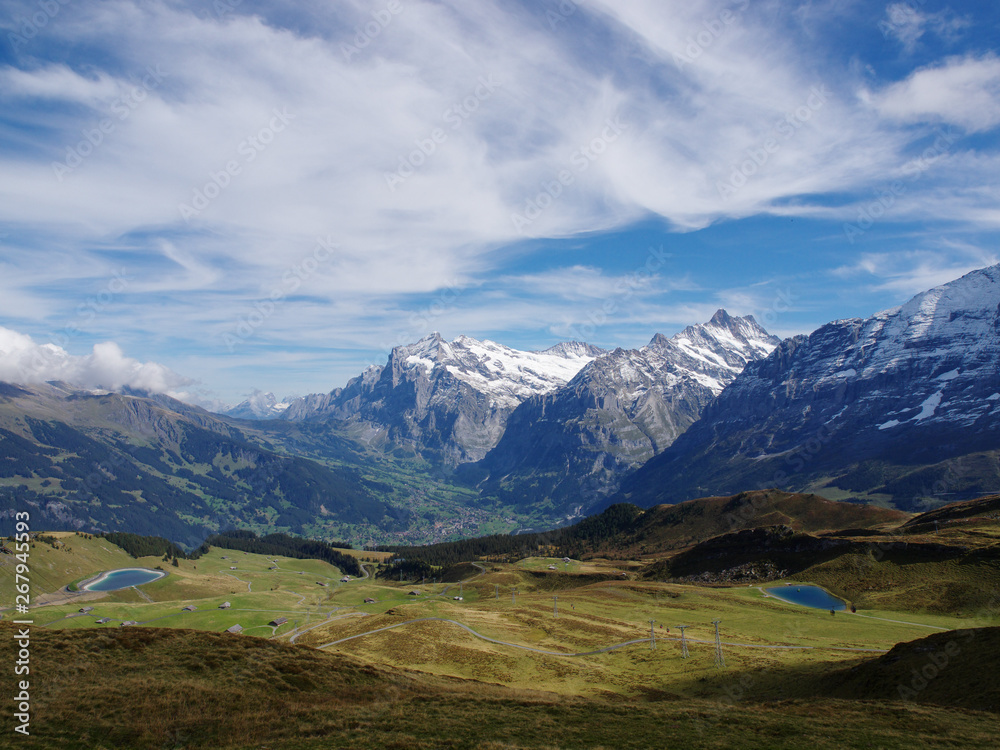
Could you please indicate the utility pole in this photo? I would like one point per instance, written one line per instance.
(513, 596)
(684, 643)
(555, 606)
(460, 588)
(652, 634)
(720, 660)
(496, 590)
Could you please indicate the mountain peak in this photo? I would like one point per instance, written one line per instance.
(721, 318)
(574, 349)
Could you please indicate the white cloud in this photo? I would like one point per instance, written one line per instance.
(962, 91)
(482, 106)
(106, 367)
(905, 23)
(907, 273)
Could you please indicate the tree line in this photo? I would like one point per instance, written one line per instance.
(570, 541)
(243, 540)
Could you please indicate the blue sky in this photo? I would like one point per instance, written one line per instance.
(204, 199)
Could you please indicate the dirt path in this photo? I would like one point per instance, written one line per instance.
(600, 650)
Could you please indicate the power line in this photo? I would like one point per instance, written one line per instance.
(684, 643)
(720, 660)
(652, 634)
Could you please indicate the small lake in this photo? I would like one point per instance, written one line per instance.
(807, 596)
(114, 580)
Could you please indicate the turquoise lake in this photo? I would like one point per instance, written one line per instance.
(121, 579)
(807, 596)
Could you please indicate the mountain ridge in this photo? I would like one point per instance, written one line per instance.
(860, 408)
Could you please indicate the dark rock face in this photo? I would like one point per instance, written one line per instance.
(572, 446)
(448, 401)
(862, 405)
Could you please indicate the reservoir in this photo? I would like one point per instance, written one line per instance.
(807, 596)
(114, 580)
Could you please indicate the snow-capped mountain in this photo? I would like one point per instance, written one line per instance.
(574, 444)
(450, 399)
(260, 405)
(904, 405)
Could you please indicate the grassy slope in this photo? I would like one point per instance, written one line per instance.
(668, 527)
(434, 685)
(214, 691)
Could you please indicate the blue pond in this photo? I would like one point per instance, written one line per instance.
(121, 579)
(807, 596)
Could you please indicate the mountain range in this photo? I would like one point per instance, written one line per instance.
(901, 409)
(572, 446)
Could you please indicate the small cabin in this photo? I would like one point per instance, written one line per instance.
(278, 621)
(189, 608)
(225, 605)
(414, 593)
(232, 567)
(235, 629)
(552, 567)
(458, 599)
(86, 610)
(320, 583)
(127, 624)
(369, 601)
(104, 621)
(273, 567)
(345, 579)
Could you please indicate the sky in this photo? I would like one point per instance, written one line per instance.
(207, 198)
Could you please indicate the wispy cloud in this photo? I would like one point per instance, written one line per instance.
(961, 91)
(911, 272)
(212, 150)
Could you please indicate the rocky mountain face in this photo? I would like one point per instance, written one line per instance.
(446, 401)
(571, 447)
(902, 407)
